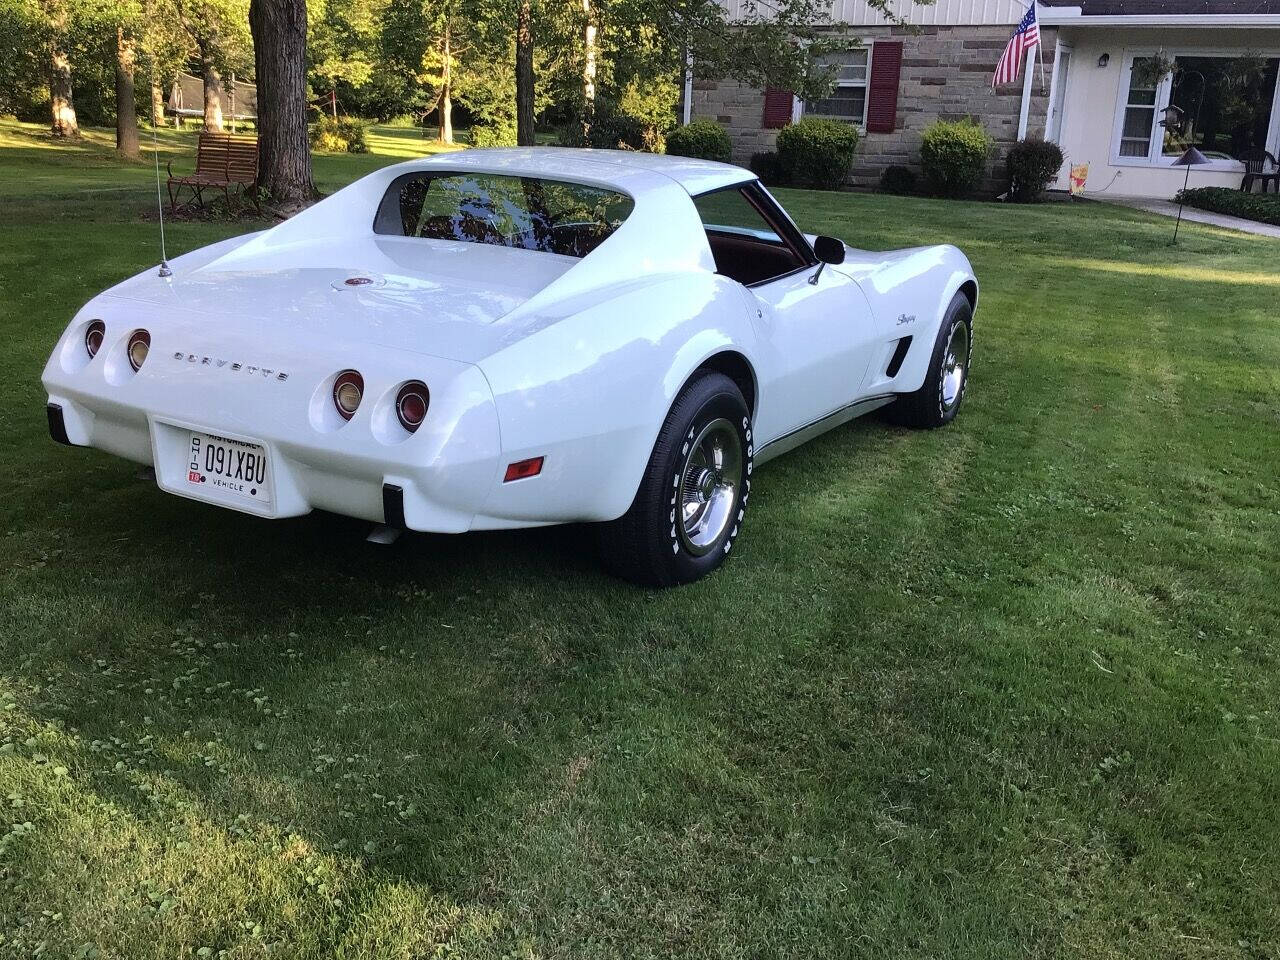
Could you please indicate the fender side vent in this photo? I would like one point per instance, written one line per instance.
(393, 506)
(899, 354)
(57, 426)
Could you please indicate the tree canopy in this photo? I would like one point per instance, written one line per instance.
(616, 62)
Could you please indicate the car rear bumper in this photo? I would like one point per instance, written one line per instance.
(435, 480)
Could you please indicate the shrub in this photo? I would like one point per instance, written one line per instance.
(494, 133)
(1262, 207)
(612, 131)
(345, 135)
(953, 155)
(817, 152)
(899, 180)
(768, 167)
(703, 138)
(1032, 165)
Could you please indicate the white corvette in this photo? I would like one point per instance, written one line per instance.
(510, 338)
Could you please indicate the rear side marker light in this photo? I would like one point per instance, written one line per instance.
(139, 347)
(411, 404)
(523, 469)
(93, 337)
(348, 391)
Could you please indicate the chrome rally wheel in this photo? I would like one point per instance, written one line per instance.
(689, 508)
(709, 492)
(955, 365)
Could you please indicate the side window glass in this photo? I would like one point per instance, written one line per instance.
(729, 211)
(745, 245)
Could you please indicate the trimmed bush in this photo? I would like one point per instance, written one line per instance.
(953, 155)
(817, 152)
(345, 135)
(495, 133)
(768, 168)
(899, 180)
(1032, 165)
(1262, 207)
(702, 138)
(612, 131)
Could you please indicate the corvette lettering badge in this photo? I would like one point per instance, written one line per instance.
(235, 366)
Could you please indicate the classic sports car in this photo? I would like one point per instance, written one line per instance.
(509, 338)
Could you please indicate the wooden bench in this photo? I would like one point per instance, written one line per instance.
(223, 161)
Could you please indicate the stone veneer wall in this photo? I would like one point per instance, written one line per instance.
(946, 74)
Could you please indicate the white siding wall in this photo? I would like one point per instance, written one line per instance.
(948, 12)
(1088, 132)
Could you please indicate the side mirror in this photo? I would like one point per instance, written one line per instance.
(829, 250)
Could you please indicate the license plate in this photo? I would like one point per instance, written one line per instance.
(228, 469)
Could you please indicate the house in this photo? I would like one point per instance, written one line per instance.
(1078, 88)
(1137, 81)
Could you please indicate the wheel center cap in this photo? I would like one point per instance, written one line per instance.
(706, 484)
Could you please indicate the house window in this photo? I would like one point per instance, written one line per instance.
(1224, 105)
(848, 99)
(1139, 111)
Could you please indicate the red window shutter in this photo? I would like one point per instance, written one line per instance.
(882, 91)
(777, 108)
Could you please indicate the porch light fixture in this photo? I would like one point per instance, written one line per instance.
(1191, 158)
(1104, 59)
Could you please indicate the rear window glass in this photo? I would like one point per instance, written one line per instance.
(527, 213)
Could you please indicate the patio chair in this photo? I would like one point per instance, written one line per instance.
(1259, 165)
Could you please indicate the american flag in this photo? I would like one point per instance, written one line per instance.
(1026, 36)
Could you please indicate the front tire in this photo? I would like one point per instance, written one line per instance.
(938, 400)
(689, 509)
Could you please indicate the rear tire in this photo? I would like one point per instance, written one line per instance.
(938, 400)
(688, 511)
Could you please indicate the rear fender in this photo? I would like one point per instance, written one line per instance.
(590, 392)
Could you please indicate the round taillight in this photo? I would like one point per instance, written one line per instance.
(93, 337)
(139, 347)
(348, 390)
(411, 404)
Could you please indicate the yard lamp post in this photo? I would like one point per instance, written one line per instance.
(1191, 158)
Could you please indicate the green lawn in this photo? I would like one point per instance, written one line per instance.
(1003, 690)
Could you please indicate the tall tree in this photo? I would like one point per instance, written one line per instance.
(444, 100)
(165, 46)
(126, 113)
(211, 81)
(61, 100)
(590, 55)
(279, 30)
(525, 89)
(219, 43)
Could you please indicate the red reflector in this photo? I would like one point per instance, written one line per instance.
(523, 469)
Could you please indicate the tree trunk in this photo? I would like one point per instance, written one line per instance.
(279, 30)
(212, 91)
(157, 103)
(444, 105)
(60, 100)
(588, 67)
(126, 113)
(524, 74)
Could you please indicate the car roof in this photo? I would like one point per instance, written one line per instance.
(614, 167)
